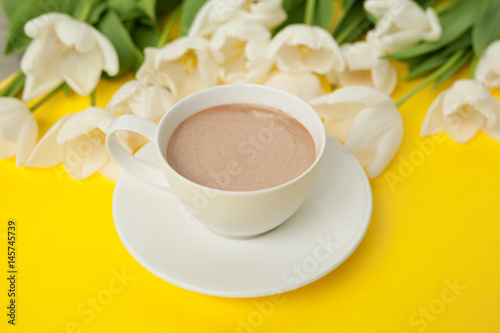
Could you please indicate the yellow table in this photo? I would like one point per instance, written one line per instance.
(430, 261)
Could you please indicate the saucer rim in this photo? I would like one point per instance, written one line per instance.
(358, 237)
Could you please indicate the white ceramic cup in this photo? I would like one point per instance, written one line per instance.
(235, 214)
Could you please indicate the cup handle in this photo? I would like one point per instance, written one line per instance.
(127, 161)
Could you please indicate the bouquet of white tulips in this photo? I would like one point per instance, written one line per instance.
(336, 54)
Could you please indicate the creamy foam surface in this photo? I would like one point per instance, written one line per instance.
(241, 147)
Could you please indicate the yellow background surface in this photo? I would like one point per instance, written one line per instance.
(430, 261)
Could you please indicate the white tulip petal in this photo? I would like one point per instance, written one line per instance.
(42, 65)
(402, 23)
(240, 47)
(201, 25)
(110, 170)
(208, 68)
(84, 122)
(338, 128)
(470, 94)
(14, 114)
(27, 141)
(18, 130)
(304, 85)
(82, 71)
(213, 14)
(122, 95)
(7, 149)
(348, 101)
(494, 130)
(183, 84)
(37, 25)
(488, 67)
(360, 56)
(185, 66)
(433, 121)
(110, 58)
(384, 77)
(75, 33)
(435, 27)
(387, 149)
(269, 13)
(301, 47)
(369, 127)
(177, 48)
(408, 14)
(47, 152)
(378, 8)
(81, 158)
(147, 73)
(152, 104)
(463, 127)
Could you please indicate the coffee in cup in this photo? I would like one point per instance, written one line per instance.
(240, 147)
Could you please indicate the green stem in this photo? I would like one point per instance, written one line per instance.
(168, 27)
(92, 98)
(85, 10)
(473, 65)
(447, 65)
(309, 14)
(8, 88)
(17, 87)
(46, 98)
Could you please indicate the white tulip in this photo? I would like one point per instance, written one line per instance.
(64, 49)
(488, 67)
(18, 130)
(401, 23)
(150, 102)
(240, 49)
(364, 67)
(366, 120)
(300, 47)
(215, 13)
(463, 110)
(185, 66)
(305, 85)
(78, 141)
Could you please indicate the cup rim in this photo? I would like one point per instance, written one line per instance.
(317, 119)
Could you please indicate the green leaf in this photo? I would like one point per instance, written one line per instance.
(486, 28)
(454, 23)
(352, 24)
(456, 66)
(96, 12)
(422, 64)
(148, 7)
(323, 13)
(145, 36)
(129, 56)
(17, 41)
(10, 7)
(122, 7)
(189, 10)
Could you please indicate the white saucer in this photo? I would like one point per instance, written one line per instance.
(171, 244)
